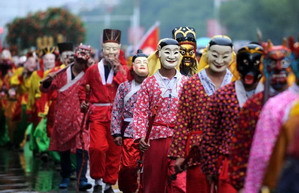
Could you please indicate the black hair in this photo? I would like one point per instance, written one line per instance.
(138, 54)
(168, 41)
(222, 41)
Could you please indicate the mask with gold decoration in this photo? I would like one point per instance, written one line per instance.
(186, 36)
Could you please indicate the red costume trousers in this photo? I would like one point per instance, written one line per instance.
(158, 167)
(197, 181)
(223, 183)
(104, 153)
(127, 179)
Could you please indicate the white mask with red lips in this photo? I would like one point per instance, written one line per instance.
(140, 66)
(219, 57)
(169, 56)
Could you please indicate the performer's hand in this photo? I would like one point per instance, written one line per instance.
(143, 146)
(178, 165)
(48, 80)
(84, 106)
(116, 65)
(118, 141)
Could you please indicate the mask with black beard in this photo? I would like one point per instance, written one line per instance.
(276, 63)
(248, 63)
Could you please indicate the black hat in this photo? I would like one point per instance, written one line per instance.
(111, 35)
(138, 54)
(184, 34)
(65, 46)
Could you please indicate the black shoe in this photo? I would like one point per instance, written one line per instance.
(110, 190)
(97, 189)
(84, 186)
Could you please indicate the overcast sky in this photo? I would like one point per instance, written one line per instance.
(18, 8)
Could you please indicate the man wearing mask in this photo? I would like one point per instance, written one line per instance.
(67, 132)
(222, 115)
(66, 52)
(264, 146)
(193, 107)
(155, 111)
(104, 79)
(275, 69)
(122, 120)
(186, 36)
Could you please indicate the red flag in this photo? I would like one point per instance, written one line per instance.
(149, 41)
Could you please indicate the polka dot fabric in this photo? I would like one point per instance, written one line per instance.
(243, 139)
(190, 118)
(222, 114)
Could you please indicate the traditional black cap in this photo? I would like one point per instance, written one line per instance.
(65, 46)
(111, 35)
(138, 54)
(167, 41)
(221, 40)
(184, 34)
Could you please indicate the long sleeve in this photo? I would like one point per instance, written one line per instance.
(267, 130)
(141, 112)
(184, 116)
(117, 111)
(212, 138)
(243, 139)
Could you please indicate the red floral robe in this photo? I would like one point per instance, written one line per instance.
(68, 117)
(243, 139)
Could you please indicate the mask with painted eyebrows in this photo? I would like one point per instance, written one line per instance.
(219, 53)
(248, 63)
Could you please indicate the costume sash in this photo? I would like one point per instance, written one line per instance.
(135, 87)
(70, 82)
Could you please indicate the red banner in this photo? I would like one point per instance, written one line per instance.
(149, 41)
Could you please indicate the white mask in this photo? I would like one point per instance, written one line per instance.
(111, 50)
(49, 61)
(140, 66)
(31, 64)
(169, 56)
(67, 57)
(219, 57)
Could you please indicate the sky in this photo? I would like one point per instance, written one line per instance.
(19, 8)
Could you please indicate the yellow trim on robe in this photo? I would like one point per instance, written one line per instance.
(154, 63)
(203, 63)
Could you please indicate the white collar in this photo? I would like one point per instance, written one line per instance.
(207, 83)
(102, 73)
(241, 93)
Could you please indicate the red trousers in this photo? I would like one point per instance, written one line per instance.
(104, 153)
(157, 168)
(127, 179)
(197, 181)
(224, 185)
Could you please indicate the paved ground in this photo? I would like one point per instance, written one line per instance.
(19, 172)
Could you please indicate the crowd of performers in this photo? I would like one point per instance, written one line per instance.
(226, 122)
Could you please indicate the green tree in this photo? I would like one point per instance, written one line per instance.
(57, 23)
(275, 18)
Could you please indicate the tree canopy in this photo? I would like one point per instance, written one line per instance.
(274, 18)
(44, 28)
